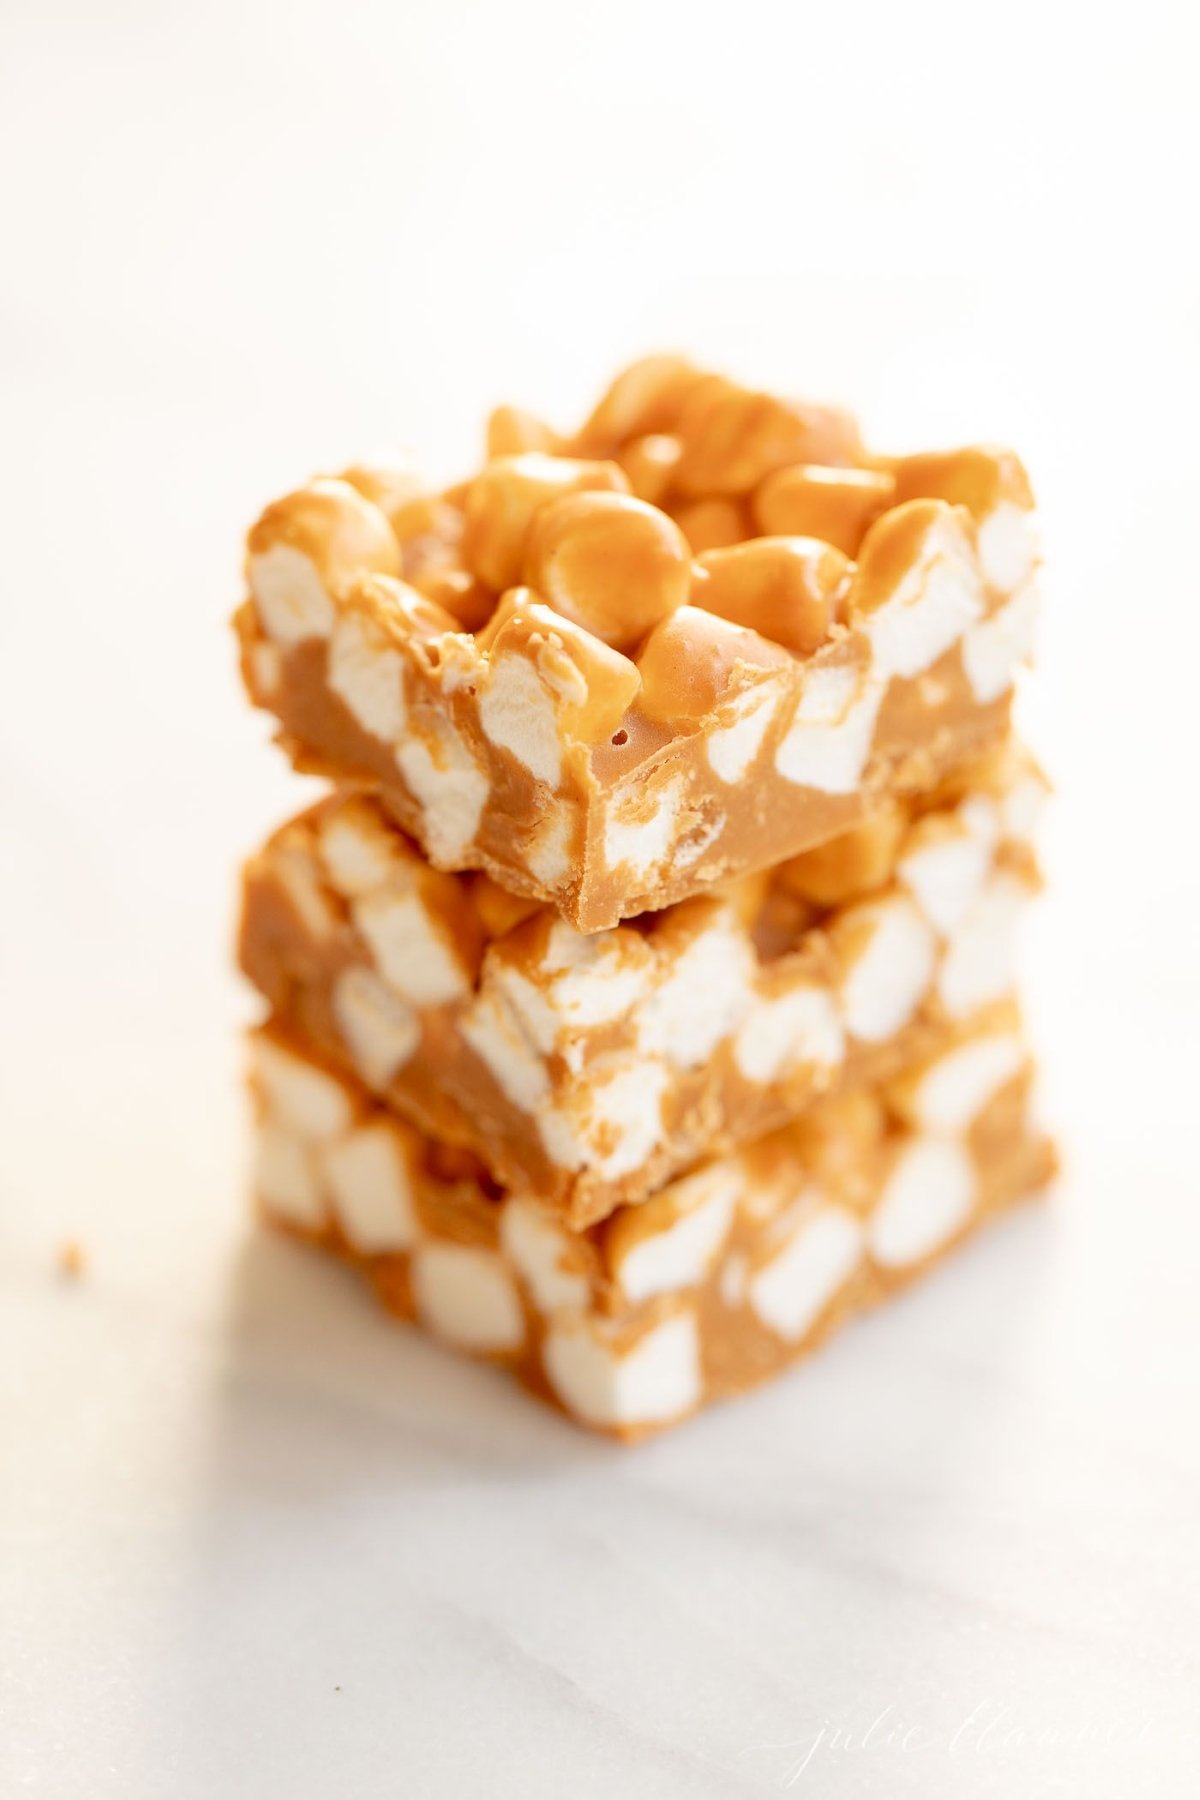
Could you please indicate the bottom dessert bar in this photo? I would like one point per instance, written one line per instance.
(720, 1280)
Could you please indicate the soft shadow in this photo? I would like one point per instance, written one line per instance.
(320, 1390)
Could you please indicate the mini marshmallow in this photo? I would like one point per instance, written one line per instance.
(297, 1094)
(451, 788)
(671, 1241)
(639, 843)
(409, 948)
(285, 1178)
(927, 1198)
(367, 675)
(466, 1296)
(654, 1381)
(979, 963)
(791, 1291)
(829, 740)
(372, 1194)
(787, 1031)
(948, 1094)
(543, 1255)
(379, 1030)
(888, 975)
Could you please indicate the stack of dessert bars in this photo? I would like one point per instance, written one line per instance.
(641, 993)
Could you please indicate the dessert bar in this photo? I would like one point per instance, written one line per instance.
(707, 632)
(588, 1070)
(723, 1278)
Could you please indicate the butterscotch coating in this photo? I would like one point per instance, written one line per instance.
(608, 562)
(647, 397)
(837, 505)
(390, 483)
(733, 438)
(978, 478)
(712, 524)
(513, 432)
(333, 527)
(462, 595)
(502, 500)
(789, 589)
(649, 463)
(690, 662)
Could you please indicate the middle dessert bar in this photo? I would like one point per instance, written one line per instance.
(586, 1071)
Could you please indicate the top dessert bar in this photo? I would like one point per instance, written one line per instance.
(708, 632)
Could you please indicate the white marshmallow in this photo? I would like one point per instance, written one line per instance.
(290, 597)
(703, 998)
(979, 963)
(467, 1297)
(732, 748)
(791, 1291)
(285, 1179)
(495, 1035)
(410, 953)
(935, 603)
(540, 1250)
(298, 1095)
(829, 740)
(626, 1116)
(953, 1090)
(885, 983)
(368, 677)
(995, 649)
(378, 1028)
(1007, 546)
(368, 1178)
(657, 1380)
(928, 1196)
(788, 1031)
(518, 715)
(682, 1254)
(945, 876)
(357, 852)
(639, 844)
(451, 788)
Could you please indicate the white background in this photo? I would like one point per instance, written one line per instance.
(256, 1541)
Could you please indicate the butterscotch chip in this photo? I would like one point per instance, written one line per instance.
(392, 485)
(711, 524)
(463, 596)
(511, 432)
(649, 463)
(692, 661)
(609, 562)
(733, 438)
(836, 505)
(499, 911)
(645, 399)
(856, 862)
(788, 589)
(502, 500)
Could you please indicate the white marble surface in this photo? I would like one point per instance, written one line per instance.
(253, 1539)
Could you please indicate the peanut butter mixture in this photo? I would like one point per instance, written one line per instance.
(617, 667)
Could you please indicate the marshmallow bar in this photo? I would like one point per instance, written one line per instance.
(588, 1070)
(724, 1278)
(707, 632)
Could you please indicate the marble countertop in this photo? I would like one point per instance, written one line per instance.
(255, 1540)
